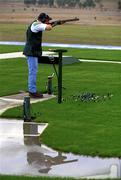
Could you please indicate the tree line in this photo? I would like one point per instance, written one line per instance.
(64, 3)
(68, 3)
(119, 4)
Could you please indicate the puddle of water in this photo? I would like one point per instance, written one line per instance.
(21, 153)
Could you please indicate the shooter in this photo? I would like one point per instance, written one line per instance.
(33, 47)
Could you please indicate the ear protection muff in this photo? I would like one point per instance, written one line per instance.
(43, 17)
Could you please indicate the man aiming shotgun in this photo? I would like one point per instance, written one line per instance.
(33, 47)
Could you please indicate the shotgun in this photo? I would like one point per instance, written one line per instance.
(59, 22)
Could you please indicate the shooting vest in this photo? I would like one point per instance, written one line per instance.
(33, 45)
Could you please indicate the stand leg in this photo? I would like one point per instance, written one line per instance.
(60, 78)
(59, 75)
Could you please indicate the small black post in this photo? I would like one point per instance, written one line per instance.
(26, 109)
(49, 85)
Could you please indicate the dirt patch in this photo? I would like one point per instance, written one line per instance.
(19, 13)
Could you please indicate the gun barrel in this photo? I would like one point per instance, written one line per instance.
(68, 20)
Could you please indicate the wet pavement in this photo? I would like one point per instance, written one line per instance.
(21, 152)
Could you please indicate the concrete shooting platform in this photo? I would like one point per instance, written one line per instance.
(66, 59)
(10, 101)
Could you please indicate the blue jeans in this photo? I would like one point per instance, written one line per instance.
(32, 74)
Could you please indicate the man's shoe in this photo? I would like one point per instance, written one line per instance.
(35, 95)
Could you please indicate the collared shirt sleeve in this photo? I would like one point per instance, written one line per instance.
(38, 26)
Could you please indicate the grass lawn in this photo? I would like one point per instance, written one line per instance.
(78, 34)
(4, 177)
(90, 128)
(77, 53)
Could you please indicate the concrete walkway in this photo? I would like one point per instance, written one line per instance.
(48, 53)
(99, 61)
(20, 54)
(7, 102)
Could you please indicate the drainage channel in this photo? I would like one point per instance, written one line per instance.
(22, 154)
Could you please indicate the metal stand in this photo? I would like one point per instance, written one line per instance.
(26, 109)
(59, 75)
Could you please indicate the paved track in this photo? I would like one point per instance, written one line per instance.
(79, 46)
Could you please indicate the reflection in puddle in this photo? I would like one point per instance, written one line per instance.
(22, 154)
(44, 162)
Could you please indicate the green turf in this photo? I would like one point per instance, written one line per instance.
(85, 34)
(8, 177)
(10, 48)
(13, 73)
(77, 53)
(95, 54)
(90, 128)
(12, 76)
(87, 120)
(12, 32)
(78, 34)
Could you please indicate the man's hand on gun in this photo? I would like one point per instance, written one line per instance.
(55, 23)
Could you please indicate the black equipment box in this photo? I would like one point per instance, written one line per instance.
(48, 60)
